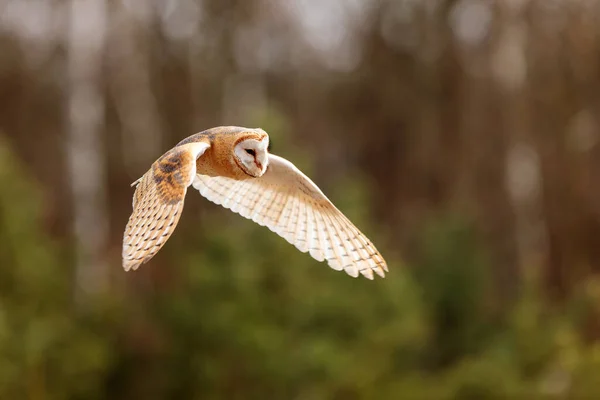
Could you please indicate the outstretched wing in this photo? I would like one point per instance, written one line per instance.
(291, 205)
(158, 202)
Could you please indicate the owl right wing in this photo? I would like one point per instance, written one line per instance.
(158, 203)
(291, 205)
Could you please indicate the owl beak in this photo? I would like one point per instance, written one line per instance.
(261, 162)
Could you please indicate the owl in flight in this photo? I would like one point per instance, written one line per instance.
(232, 166)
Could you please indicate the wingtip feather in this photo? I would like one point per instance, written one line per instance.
(312, 226)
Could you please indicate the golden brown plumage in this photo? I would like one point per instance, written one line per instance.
(157, 203)
(231, 166)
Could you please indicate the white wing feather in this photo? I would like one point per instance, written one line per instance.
(291, 205)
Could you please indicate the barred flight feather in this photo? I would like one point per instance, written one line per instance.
(289, 204)
(157, 204)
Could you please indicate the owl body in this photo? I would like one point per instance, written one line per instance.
(217, 160)
(231, 166)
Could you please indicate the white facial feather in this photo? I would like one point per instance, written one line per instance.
(253, 155)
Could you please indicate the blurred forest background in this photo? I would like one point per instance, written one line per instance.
(462, 136)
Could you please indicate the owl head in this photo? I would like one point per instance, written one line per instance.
(250, 152)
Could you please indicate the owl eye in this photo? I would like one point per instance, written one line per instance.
(251, 152)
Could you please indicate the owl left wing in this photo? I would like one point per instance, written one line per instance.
(291, 205)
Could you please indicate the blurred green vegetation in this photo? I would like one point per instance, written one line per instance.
(247, 316)
(47, 350)
(461, 135)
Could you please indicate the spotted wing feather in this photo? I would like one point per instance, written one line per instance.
(158, 203)
(291, 205)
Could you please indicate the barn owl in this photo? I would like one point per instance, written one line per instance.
(232, 166)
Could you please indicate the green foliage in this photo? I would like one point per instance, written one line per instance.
(260, 312)
(452, 277)
(248, 316)
(46, 351)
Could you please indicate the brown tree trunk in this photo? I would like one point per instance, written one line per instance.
(84, 144)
